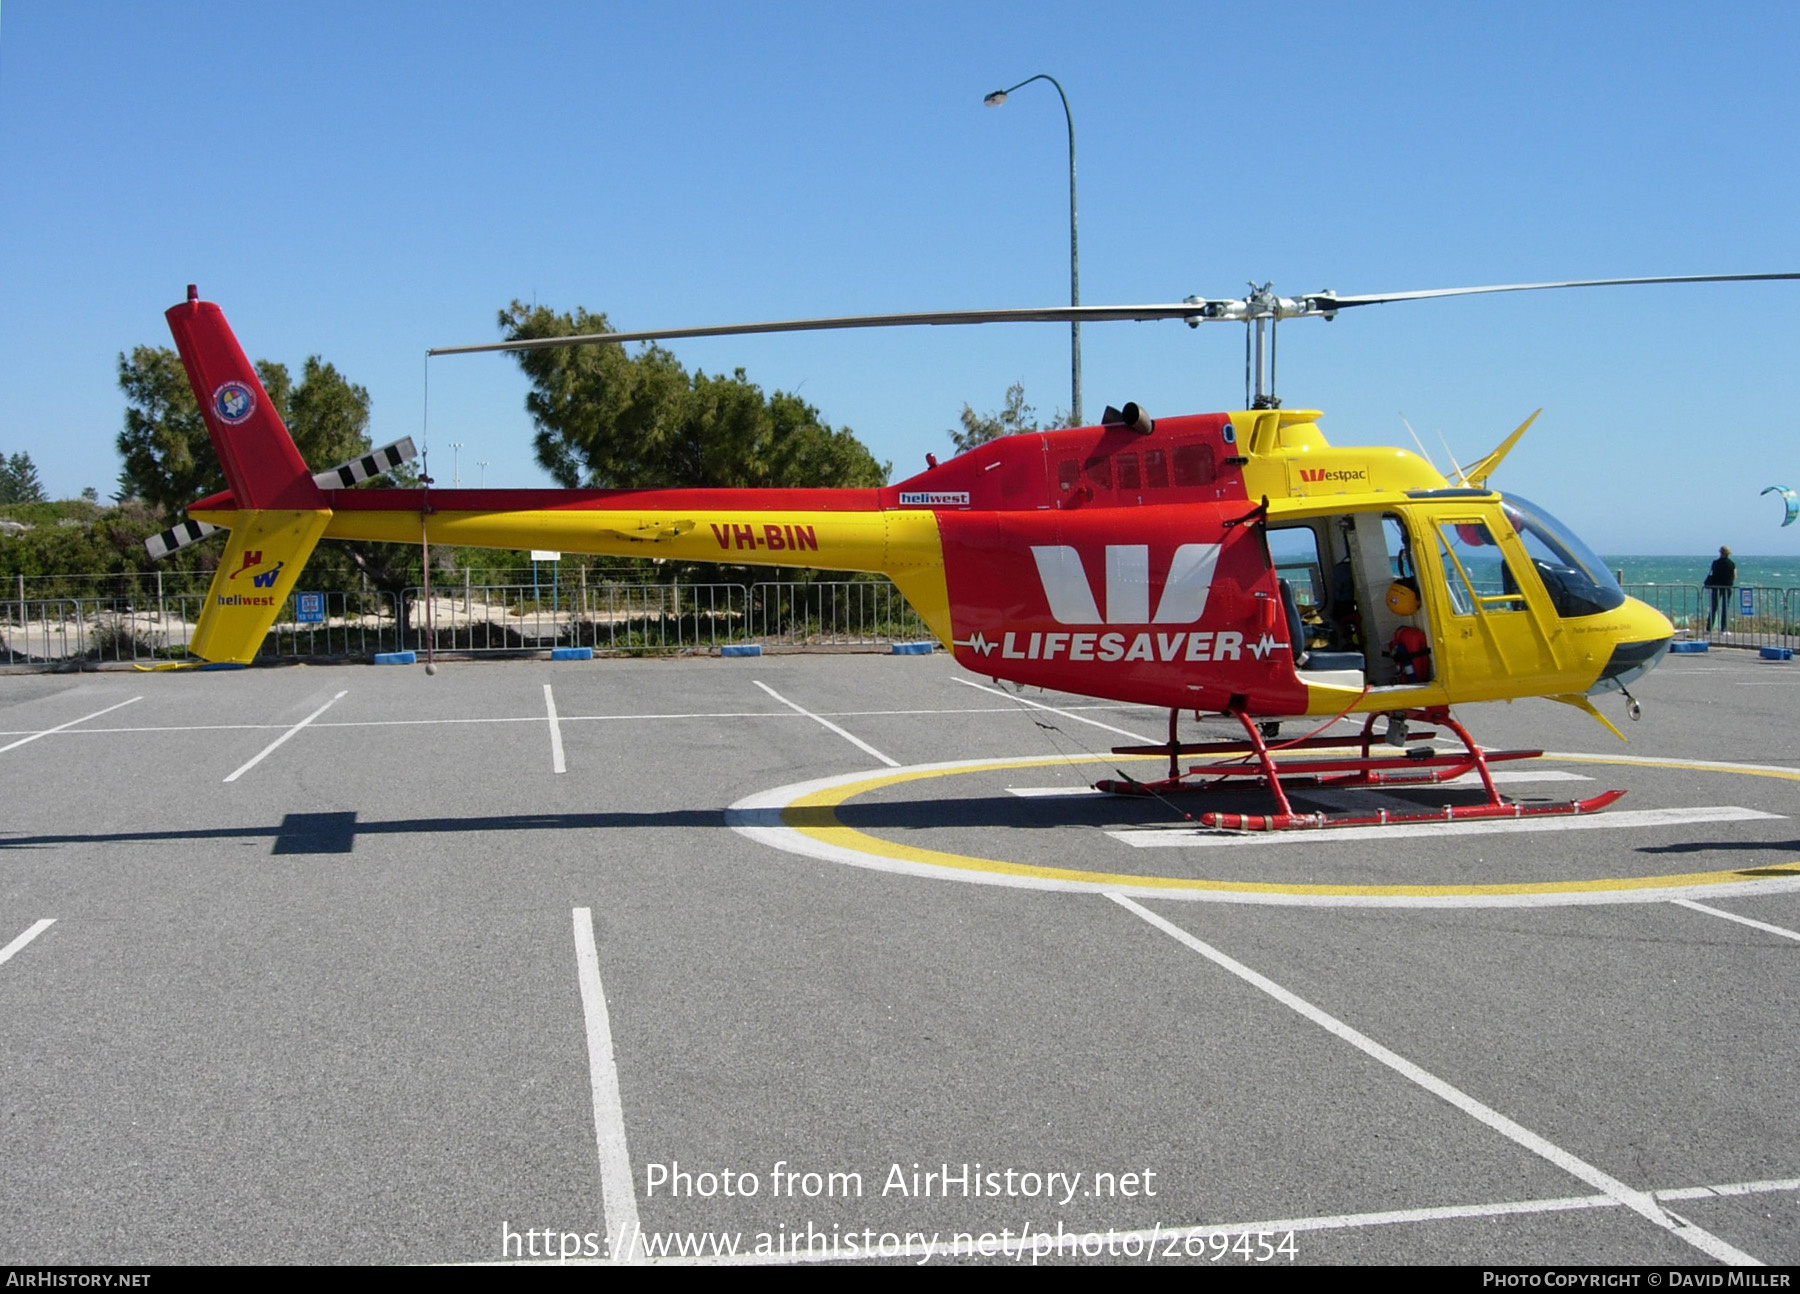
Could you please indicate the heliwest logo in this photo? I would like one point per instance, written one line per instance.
(252, 558)
(267, 579)
(1315, 475)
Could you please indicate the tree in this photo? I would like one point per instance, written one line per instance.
(19, 480)
(1017, 416)
(608, 419)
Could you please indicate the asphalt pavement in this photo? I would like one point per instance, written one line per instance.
(295, 968)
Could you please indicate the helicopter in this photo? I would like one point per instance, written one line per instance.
(1227, 564)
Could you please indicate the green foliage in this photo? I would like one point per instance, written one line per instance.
(1017, 416)
(608, 419)
(48, 513)
(77, 549)
(19, 480)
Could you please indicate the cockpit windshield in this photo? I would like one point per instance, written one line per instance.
(1578, 582)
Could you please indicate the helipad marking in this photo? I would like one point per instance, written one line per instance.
(1502, 777)
(802, 819)
(1201, 837)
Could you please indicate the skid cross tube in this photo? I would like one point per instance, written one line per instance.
(1255, 757)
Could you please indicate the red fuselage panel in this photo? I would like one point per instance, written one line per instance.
(1167, 606)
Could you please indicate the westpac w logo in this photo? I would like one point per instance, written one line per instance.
(1127, 587)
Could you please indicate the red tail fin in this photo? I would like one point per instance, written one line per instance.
(261, 464)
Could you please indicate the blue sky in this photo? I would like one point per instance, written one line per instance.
(367, 181)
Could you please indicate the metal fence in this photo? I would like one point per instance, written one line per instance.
(1772, 620)
(849, 613)
(606, 617)
(151, 626)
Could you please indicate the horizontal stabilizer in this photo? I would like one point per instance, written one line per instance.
(370, 465)
(188, 532)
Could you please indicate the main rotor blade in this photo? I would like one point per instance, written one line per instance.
(1194, 310)
(1049, 314)
(1331, 301)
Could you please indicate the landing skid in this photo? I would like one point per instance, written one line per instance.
(1421, 766)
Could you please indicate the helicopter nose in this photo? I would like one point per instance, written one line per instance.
(1642, 642)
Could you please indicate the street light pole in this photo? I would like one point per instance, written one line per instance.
(456, 464)
(482, 464)
(994, 100)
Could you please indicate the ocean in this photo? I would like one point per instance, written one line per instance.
(1762, 572)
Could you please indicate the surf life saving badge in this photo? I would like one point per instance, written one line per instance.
(234, 402)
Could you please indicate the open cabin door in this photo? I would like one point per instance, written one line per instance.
(1365, 597)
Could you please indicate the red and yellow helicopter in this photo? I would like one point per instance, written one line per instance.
(1232, 564)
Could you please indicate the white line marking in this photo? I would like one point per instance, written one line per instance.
(7, 952)
(618, 1196)
(274, 745)
(1731, 1188)
(1742, 921)
(856, 741)
(1200, 837)
(567, 718)
(1503, 776)
(1642, 1203)
(70, 724)
(556, 749)
(1467, 779)
(1067, 714)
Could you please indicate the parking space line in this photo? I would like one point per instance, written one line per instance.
(854, 740)
(1764, 1187)
(70, 724)
(1039, 705)
(556, 747)
(1643, 1203)
(37, 929)
(526, 718)
(1742, 921)
(271, 748)
(618, 1195)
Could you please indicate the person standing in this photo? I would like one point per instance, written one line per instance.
(1719, 582)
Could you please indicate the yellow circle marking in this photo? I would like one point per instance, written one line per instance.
(815, 815)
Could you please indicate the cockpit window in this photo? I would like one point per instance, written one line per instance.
(1578, 582)
(1475, 569)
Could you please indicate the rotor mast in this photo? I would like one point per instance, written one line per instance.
(1261, 310)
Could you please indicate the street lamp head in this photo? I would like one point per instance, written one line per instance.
(995, 99)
